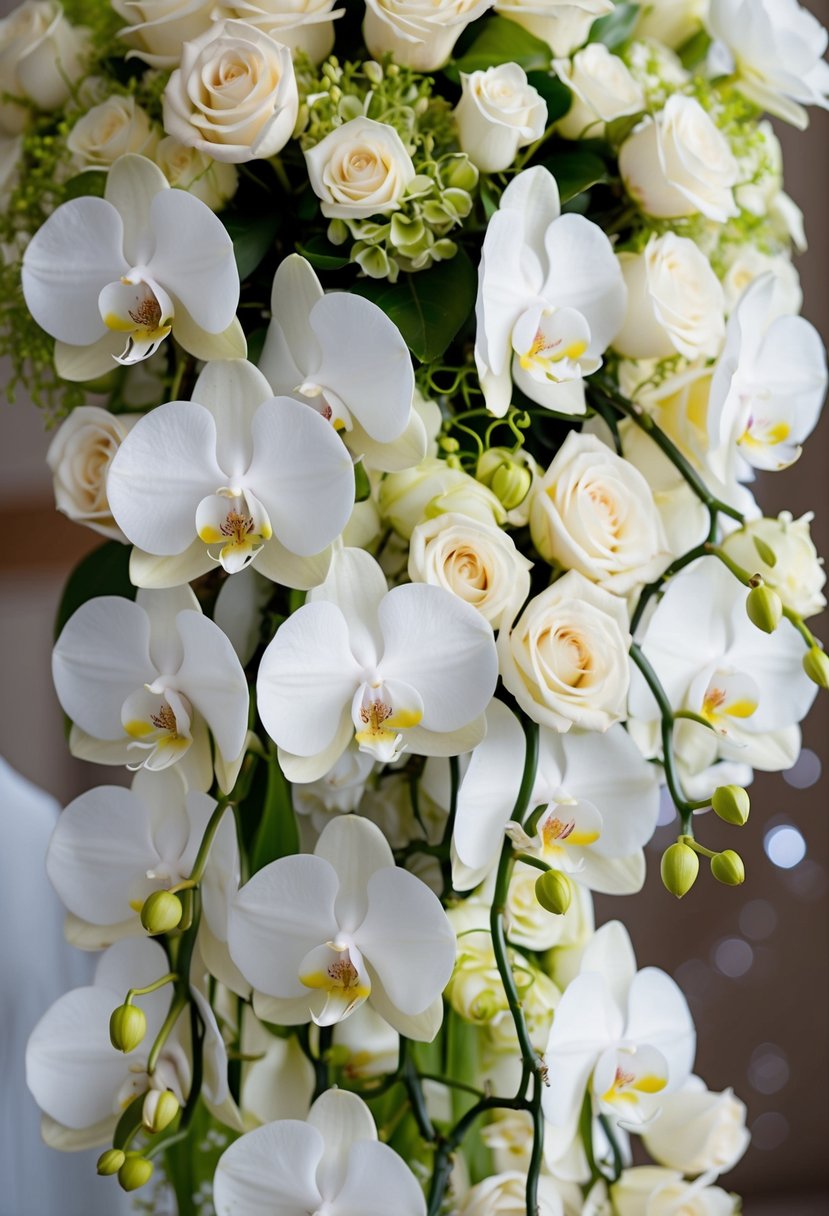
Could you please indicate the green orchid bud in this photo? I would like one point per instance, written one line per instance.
(816, 666)
(447, 444)
(161, 913)
(727, 867)
(373, 71)
(337, 232)
(460, 173)
(127, 1027)
(764, 608)
(511, 483)
(731, 803)
(679, 869)
(135, 1172)
(554, 891)
(111, 1161)
(159, 1110)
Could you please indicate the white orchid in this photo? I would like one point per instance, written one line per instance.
(411, 669)
(342, 355)
(601, 802)
(233, 476)
(551, 298)
(332, 1163)
(111, 277)
(144, 681)
(623, 1036)
(317, 935)
(768, 387)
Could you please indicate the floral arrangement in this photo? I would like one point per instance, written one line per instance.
(414, 360)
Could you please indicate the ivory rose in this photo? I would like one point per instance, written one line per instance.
(498, 113)
(359, 169)
(41, 57)
(79, 456)
(302, 25)
(562, 24)
(432, 488)
(565, 658)
(212, 181)
(111, 129)
(504, 1195)
(418, 33)
(603, 90)
(650, 1191)
(797, 574)
(156, 29)
(697, 1130)
(235, 94)
(670, 21)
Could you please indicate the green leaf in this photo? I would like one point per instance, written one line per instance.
(575, 172)
(502, 41)
(253, 238)
(322, 254)
(556, 94)
(362, 485)
(277, 835)
(129, 1121)
(104, 571)
(428, 307)
(616, 27)
(90, 182)
(694, 50)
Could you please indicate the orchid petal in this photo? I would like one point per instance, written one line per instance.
(162, 609)
(408, 450)
(230, 343)
(161, 573)
(212, 678)
(610, 771)
(489, 789)
(88, 362)
(420, 1027)
(295, 291)
(343, 1120)
(377, 1182)
(584, 273)
(276, 562)
(131, 185)
(193, 258)
(356, 849)
(270, 1172)
(232, 390)
(658, 1015)
(357, 585)
(587, 1021)
(609, 953)
(302, 769)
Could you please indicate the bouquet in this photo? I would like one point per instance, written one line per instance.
(414, 360)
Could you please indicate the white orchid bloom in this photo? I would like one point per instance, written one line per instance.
(342, 355)
(601, 803)
(111, 277)
(768, 387)
(332, 1163)
(234, 475)
(411, 669)
(113, 847)
(551, 298)
(625, 1036)
(712, 660)
(317, 935)
(143, 682)
(78, 1079)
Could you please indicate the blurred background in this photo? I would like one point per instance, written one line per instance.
(752, 961)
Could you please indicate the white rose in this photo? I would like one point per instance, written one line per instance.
(156, 29)
(498, 113)
(697, 1130)
(648, 1190)
(41, 57)
(679, 163)
(603, 90)
(797, 574)
(505, 1195)
(432, 488)
(748, 264)
(670, 22)
(418, 33)
(360, 169)
(594, 512)
(79, 456)
(565, 660)
(302, 25)
(532, 926)
(234, 96)
(111, 129)
(211, 180)
(474, 560)
(684, 518)
(675, 302)
(562, 24)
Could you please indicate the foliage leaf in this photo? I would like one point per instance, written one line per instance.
(428, 307)
(277, 835)
(104, 571)
(253, 237)
(129, 1121)
(556, 94)
(502, 41)
(322, 254)
(575, 172)
(90, 182)
(616, 27)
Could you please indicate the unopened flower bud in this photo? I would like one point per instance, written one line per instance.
(765, 551)
(461, 174)
(727, 867)
(127, 1027)
(554, 891)
(816, 666)
(111, 1161)
(373, 71)
(135, 1172)
(764, 608)
(679, 869)
(160, 1109)
(161, 912)
(731, 803)
(511, 483)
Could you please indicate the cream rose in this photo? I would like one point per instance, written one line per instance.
(418, 33)
(670, 22)
(498, 113)
(210, 180)
(111, 129)
(360, 169)
(562, 24)
(697, 1130)
(675, 302)
(303, 25)
(474, 560)
(505, 1195)
(748, 264)
(41, 57)
(533, 927)
(79, 457)
(565, 660)
(594, 512)
(648, 1190)
(157, 29)
(679, 163)
(234, 96)
(432, 488)
(603, 90)
(797, 574)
